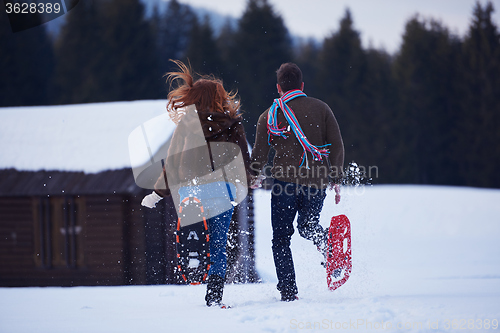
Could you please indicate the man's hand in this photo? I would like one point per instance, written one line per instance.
(151, 200)
(257, 182)
(337, 193)
(335, 187)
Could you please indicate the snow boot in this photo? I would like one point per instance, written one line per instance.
(289, 297)
(323, 247)
(215, 287)
(337, 272)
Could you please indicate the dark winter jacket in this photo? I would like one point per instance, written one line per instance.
(193, 162)
(320, 127)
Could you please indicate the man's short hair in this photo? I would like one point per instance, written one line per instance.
(289, 76)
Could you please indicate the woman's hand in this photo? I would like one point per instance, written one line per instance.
(151, 200)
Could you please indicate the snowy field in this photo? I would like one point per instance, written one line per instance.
(425, 259)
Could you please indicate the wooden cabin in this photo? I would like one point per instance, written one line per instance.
(76, 228)
(70, 228)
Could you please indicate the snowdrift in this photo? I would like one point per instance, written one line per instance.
(425, 259)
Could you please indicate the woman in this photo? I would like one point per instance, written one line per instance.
(191, 167)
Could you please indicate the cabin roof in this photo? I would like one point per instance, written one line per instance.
(53, 183)
(89, 138)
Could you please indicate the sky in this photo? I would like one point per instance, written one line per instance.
(380, 22)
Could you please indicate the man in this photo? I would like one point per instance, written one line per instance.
(309, 156)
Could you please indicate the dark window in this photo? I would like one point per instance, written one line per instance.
(58, 232)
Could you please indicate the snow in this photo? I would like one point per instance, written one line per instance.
(81, 137)
(425, 259)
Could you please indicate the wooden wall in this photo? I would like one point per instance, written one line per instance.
(106, 246)
(102, 240)
(16, 240)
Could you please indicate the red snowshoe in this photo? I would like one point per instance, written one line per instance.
(338, 257)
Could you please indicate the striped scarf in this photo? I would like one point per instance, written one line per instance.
(273, 128)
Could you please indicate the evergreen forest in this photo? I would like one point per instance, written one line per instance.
(427, 114)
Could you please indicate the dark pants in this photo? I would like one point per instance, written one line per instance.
(288, 199)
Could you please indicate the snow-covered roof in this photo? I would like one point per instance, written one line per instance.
(84, 137)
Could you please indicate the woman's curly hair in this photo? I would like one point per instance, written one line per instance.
(207, 93)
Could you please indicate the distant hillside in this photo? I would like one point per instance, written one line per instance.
(217, 20)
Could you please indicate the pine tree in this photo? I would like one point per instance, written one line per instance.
(26, 65)
(78, 57)
(129, 62)
(341, 77)
(262, 45)
(172, 30)
(226, 46)
(202, 50)
(426, 73)
(480, 118)
(306, 55)
(379, 128)
(106, 53)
